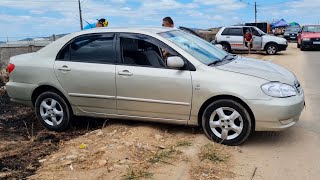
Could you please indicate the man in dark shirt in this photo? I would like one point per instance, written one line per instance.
(248, 40)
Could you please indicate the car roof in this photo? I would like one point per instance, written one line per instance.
(237, 26)
(129, 29)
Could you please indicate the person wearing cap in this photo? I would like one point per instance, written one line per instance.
(100, 23)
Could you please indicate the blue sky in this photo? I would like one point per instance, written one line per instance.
(33, 18)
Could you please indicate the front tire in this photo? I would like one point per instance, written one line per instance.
(272, 49)
(226, 47)
(52, 111)
(227, 122)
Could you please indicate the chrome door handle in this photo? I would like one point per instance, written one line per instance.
(64, 68)
(125, 73)
(228, 36)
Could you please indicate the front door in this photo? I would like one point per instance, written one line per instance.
(257, 39)
(85, 69)
(146, 87)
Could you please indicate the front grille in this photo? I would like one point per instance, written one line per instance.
(315, 39)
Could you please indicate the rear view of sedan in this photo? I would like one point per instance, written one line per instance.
(155, 74)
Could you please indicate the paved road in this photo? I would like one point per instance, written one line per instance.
(294, 153)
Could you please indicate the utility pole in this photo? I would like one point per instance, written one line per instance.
(81, 26)
(255, 12)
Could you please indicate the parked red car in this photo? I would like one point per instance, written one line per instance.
(309, 37)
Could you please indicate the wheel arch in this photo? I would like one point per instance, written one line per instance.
(229, 97)
(45, 88)
(268, 43)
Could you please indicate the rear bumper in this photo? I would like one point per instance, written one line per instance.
(278, 113)
(282, 47)
(20, 92)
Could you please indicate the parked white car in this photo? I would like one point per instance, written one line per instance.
(123, 73)
(232, 38)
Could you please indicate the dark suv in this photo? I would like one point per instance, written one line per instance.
(291, 33)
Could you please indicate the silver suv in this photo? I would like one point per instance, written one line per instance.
(232, 38)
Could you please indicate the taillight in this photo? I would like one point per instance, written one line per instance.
(10, 68)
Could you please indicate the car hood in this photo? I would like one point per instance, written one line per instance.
(310, 35)
(261, 69)
(276, 39)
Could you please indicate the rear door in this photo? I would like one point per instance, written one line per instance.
(234, 36)
(85, 69)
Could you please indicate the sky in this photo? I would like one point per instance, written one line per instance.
(20, 19)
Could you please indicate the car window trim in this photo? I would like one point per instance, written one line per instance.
(104, 35)
(157, 42)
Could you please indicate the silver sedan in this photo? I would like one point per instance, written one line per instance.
(155, 74)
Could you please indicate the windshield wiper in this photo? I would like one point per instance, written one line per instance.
(228, 57)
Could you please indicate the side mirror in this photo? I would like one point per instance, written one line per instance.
(175, 62)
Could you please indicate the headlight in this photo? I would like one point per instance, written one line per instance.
(277, 89)
(306, 39)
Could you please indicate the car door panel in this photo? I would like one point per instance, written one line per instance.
(154, 92)
(257, 40)
(146, 88)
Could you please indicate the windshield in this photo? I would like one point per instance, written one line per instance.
(293, 30)
(195, 46)
(311, 29)
(260, 32)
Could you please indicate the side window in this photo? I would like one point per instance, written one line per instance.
(235, 32)
(254, 32)
(90, 49)
(139, 52)
(225, 32)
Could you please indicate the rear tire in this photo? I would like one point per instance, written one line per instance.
(298, 45)
(302, 48)
(272, 49)
(226, 121)
(52, 111)
(226, 47)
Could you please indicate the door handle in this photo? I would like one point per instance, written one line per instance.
(228, 36)
(64, 68)
(125, 73)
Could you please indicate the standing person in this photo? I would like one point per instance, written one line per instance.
(248, 40)
(167, 22)
(100, 23)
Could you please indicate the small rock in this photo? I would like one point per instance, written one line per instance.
(158, 137)
(122, 161)
(110, 169)
(102, 162)
(124, 133)
(71, 157)
(71, 167)
(100, 133)
(139, 145)
(110, 146)
(128, 144)
(42, 160)
(67, 163)
(162, 147)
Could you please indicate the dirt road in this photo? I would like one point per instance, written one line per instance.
(291, 154)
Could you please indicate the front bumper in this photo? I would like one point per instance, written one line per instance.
(290, 37)
(282, 47)
(278, 113)
(310, 44)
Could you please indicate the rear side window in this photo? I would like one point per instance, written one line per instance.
(90, 49)
(232, 32)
